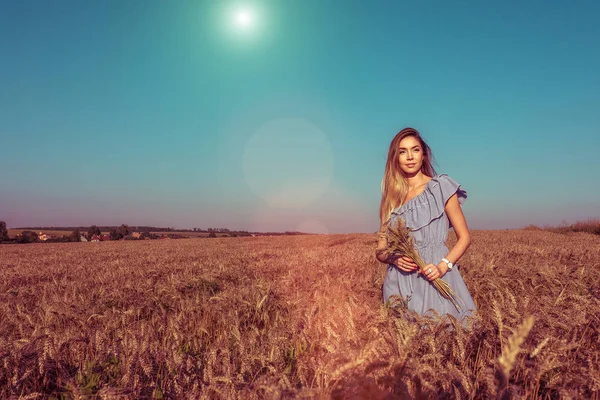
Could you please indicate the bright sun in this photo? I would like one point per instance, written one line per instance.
(243, 18)
(244, 21)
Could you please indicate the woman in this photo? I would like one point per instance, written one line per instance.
(429, 204)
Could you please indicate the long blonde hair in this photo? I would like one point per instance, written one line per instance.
(394, 186)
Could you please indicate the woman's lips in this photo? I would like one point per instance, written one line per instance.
(410, 165)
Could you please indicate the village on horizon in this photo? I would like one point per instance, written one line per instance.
(124, 232)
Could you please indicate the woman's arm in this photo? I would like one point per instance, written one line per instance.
(458, 221)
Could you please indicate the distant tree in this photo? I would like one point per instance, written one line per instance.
(94, 230)
(212, 235)
(123, 230)
(3, 231)
(114, 234)
(76, 236)
(28, 237)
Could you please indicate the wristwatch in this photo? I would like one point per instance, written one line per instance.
(450, 265)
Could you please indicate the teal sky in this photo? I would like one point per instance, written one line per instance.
(167, 113)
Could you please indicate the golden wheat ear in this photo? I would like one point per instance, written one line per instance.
(509, 353)
(446, 291)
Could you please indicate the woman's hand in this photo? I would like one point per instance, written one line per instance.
(406, 264)
(432, 272)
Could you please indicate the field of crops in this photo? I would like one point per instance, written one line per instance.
(294, 316)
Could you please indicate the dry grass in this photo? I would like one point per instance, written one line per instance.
(293, 317)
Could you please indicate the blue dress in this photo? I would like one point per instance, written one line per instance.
(425, 215)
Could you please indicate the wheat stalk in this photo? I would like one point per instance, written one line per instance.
(539, 347)
(510, 352)
(399, 243)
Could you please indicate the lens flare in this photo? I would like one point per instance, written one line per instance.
(288, 162)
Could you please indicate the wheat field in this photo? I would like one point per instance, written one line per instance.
(294, 317)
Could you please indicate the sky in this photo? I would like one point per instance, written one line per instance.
(278, 115)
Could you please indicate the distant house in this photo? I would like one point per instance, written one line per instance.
(82, 238)
(136, 235)
(95, 238)
(43, 237)
(105, 237)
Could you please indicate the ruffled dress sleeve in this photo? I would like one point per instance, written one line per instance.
(444, 187)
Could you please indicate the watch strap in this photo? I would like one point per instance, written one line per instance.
(450, 265)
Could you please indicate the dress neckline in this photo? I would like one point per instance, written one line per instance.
(420, 194)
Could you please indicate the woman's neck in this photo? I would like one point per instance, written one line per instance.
(416, 180)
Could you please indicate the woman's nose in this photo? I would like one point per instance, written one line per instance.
(409, 155)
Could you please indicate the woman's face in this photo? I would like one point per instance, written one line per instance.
(410, 155)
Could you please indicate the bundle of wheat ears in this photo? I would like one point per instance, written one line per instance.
(399, 243)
